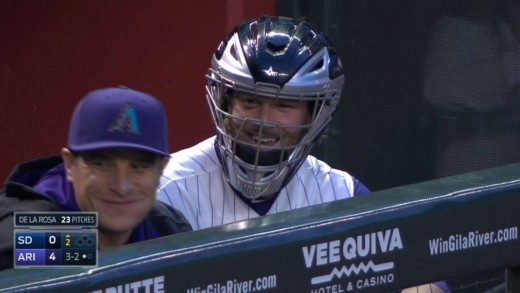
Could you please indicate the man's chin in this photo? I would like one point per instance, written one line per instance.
(118, 223)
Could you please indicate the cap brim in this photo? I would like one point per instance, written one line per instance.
(115, 145)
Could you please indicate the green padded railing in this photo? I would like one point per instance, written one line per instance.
(390, 239)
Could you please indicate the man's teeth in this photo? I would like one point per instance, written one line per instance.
(264, 140)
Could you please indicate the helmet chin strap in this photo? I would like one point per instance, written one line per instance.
(249, 155)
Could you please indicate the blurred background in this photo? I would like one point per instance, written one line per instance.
(431, 85)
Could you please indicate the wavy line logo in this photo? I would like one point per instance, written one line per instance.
(352, 269)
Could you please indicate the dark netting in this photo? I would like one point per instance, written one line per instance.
(471, 82)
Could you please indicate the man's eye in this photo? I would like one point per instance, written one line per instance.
(287, 105)
(249, 102)
(97, 162)
(141, 166)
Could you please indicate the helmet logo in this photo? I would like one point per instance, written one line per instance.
(251, 188)
(271, 72)
(126, 121)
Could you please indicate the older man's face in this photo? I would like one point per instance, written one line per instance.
(120, 184)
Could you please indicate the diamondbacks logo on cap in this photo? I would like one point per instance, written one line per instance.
(126, 121)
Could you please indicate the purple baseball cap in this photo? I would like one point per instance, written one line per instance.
(119, 118)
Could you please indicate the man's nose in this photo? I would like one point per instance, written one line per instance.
(121, 180)
(266, 112)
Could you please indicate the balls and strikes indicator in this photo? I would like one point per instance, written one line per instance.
(79, 257)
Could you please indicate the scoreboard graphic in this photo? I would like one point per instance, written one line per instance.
(55, 239)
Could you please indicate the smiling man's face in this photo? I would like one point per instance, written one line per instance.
(120, 184)
(289, 114)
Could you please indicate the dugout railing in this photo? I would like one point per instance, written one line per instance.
(444, 229)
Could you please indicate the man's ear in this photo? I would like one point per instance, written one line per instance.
(68, 161)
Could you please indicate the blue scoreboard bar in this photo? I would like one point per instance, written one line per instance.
(57, 239)
(55, 248)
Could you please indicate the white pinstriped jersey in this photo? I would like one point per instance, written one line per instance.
(193, 182)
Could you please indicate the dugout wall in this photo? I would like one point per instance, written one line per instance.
(445, 229)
